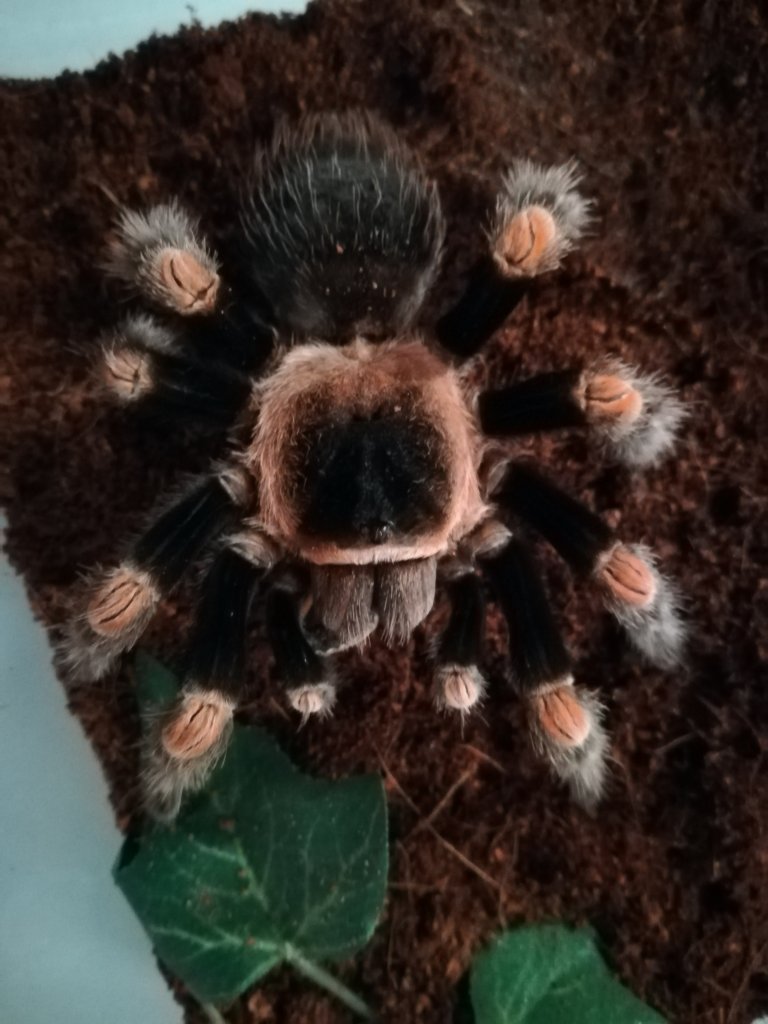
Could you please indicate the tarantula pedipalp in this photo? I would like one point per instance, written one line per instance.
(355, 476)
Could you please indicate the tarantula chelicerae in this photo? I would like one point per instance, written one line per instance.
(358, 472)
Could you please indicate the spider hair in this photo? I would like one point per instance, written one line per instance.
(167, 778)
(356, 473)
(657, 628)
(647, 439)
(553, 189)
(306, 237)
(143, 252)
(582, 766)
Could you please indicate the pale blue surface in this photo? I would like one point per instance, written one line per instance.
(39, 38)
(71, 950)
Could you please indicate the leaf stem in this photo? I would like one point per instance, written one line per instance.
(327, 981)
(213, 1014)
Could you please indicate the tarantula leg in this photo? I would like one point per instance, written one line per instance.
(121, 602)
(565, 721)
(459, 684)
(182, 748)
(547, 401)
(164, 385)
(540, 216)
(303, 672)
(186, 742)
(486, 302)
(644, 602)
(635, 417)
(162, 256)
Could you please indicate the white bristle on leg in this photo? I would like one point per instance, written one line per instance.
(644, 439)
(145, 331)
(458, 687)
(656, 629)
(82, 656)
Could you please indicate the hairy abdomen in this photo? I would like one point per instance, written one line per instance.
(345, 232)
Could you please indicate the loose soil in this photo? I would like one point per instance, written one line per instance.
(664, 105)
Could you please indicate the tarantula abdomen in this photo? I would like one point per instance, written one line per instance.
(344, 230)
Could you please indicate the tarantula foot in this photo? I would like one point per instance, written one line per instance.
(459, 687)
(627, 577)
(540, 216)
(609, 397)
(191, 286)
(123, 604)
(645, 602)
(567, 729)
(313, 699)
(527, 238)
(127, 373)
(117, 611)
(181, 750)
(197, 725)
(560, 715)
(159, 253)
(637, 416)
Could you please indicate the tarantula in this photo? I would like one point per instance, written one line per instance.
(359, 471)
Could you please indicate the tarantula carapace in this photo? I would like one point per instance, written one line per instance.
(358, 473)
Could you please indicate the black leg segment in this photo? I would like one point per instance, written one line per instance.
(565, 721)
(216, 656)
(461, 644)
(181, 533)
(296, 661)
(574, 531)
(537, 652)
(236, 333)
(185, 743)
(489, 298)
(179, 389)
(545, 402)
(459, 683)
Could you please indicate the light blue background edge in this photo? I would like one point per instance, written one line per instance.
(41, 38)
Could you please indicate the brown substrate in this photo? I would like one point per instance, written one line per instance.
(664, 106)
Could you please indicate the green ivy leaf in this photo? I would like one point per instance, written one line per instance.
(265, 866)
(156, 685)
(548, 974)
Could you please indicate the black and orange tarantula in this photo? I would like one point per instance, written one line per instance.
(357, 474)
